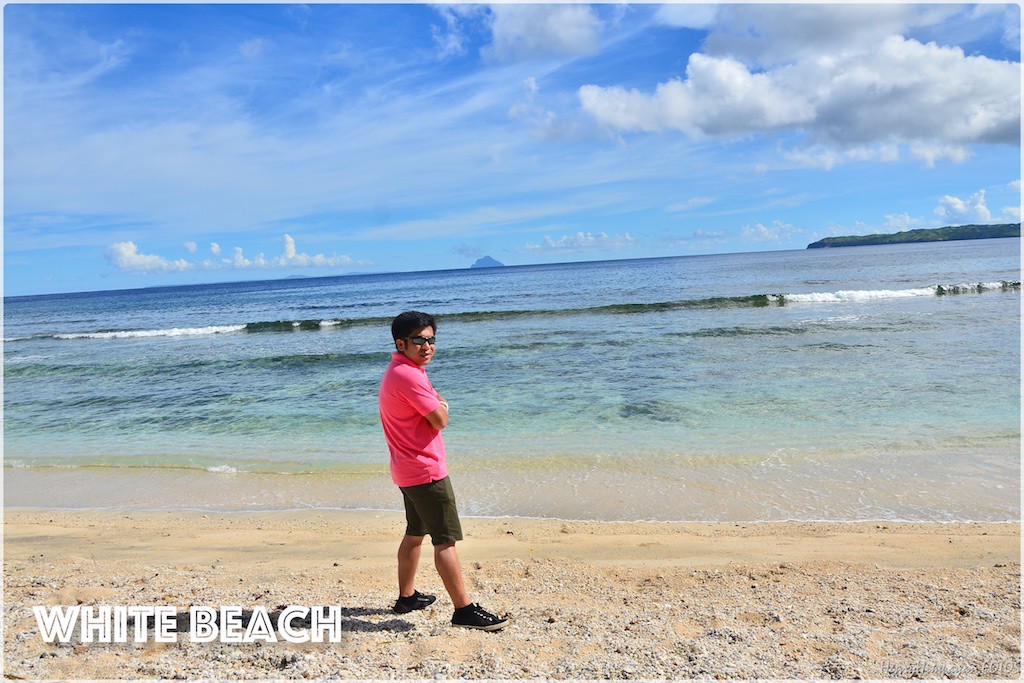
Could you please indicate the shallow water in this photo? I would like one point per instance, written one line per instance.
(854, 383)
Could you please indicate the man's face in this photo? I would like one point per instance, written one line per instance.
(420, 354)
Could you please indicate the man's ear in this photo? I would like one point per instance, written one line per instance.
(399, 345)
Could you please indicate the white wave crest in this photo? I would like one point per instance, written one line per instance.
(173, 332)
(222, 469)
(874, 294)
(858, 295)
(987, 285)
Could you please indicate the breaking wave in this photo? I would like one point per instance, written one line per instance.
(173, 332)
(749, 301)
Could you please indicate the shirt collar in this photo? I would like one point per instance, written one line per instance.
(397, 357)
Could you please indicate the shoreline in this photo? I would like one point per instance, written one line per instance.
(588, 600)
(865, 490)
(528, 518)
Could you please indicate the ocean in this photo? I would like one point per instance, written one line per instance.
(861, 383)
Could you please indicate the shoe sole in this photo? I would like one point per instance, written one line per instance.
(490, 627)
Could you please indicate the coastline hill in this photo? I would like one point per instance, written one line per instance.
(959, 232)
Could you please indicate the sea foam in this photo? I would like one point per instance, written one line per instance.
(874, 294)
(173, 332)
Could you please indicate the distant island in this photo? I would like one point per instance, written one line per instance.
(487, 262)
(958, 232)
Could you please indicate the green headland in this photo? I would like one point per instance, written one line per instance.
(957, 232)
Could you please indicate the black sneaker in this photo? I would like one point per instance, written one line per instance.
(475, 616)
(415, 601)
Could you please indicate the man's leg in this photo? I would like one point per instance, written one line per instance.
(408, 561)
(446, 559)
(467, 614)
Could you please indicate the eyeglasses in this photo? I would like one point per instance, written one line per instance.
(420, 341)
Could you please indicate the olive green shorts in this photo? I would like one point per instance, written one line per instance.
(430, 509)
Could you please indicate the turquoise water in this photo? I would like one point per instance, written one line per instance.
(856, 383)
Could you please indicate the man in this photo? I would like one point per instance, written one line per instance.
(413, 415)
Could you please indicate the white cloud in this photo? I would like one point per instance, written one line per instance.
(450, 40)
(541, 31)
(708, 235)
(237, 260)
(689, 204)
(84, 61)
(905, 91)
(1011, 27)
(930, 153)
(773, 233)
(818, 157)
(581, 242)
(253, 49)
(479, 221)
(467, 250)
(126, 256)
(718, 97)
(833, 229)
(1001, 17)
(546, 117)
(765, 34)
(700, 239)
(289, 258)
(191, 247)
(1013, 213)
(903, 221)
(973, 209)
(687, 16)
(823, 157)
(289, 248)
(863, 102)
(345, 54)
(528, 110)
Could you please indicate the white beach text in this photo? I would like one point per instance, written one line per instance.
(162, 624)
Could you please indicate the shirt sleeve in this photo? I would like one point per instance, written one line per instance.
(420, 394)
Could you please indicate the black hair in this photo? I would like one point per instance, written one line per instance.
(411, 321)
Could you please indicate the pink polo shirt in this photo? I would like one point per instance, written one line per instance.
(417, 450)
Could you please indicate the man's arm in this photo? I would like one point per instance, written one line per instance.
(438, 419)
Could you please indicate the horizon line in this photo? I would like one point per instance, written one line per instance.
(298, 277)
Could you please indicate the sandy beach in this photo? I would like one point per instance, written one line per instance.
(587, 600)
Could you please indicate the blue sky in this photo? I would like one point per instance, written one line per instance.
(174, 144)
